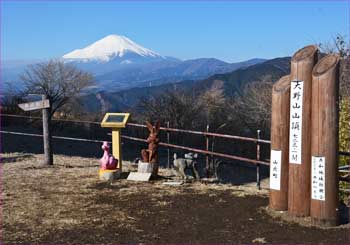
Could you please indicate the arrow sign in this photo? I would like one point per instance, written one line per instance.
(35, 105)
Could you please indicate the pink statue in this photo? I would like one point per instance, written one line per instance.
(107, 161)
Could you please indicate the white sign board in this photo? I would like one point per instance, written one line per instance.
(318, 169)
(36, 105)
(275, 170)
(295, 125)
(139, 176)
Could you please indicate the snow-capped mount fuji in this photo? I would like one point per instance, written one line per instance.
(118, 63)
(113, 48)
(114, 53)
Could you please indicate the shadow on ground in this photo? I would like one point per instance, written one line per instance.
(15, 158)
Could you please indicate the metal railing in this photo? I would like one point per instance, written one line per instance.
(257, 161)
(206, 134)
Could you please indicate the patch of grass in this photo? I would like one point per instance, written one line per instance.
(59, 203)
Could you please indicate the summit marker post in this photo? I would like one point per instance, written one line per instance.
(302, 63)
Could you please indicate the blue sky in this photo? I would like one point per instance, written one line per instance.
(228, 30)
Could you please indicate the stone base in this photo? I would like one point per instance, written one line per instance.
(145, 167)
(109, 175)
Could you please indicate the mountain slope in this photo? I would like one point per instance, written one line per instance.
(233, 83)
(112, 53)
(109, 48)
(168, 71)
(118, 64)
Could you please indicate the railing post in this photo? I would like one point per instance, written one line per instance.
(207, 156)
(258, 158)
(168, 141)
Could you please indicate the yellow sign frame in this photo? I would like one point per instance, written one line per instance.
(116, 134)
(105, 124)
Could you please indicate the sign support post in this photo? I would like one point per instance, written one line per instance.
(44, 105)
(48, 157)
(117, 146)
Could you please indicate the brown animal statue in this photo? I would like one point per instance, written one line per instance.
(151, 154)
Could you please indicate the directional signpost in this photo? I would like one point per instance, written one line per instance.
(43, 105)
(36, 105)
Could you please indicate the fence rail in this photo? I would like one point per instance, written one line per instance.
(200, 151)
(167, 144)
(54, 137)
(210, 134)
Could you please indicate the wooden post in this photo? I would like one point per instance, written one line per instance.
(117, 146)
(302, 64)
(44, 106)
(280, 144)
(258, 158)
(168, 141)
(207, 156)
(48, 156)
(324, 142)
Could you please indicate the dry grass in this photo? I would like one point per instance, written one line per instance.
(46, 198)
(39, 201)
(40, 198)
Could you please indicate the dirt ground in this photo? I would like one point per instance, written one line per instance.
(67, 203)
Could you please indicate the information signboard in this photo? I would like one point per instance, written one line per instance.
(275, 170)
(318, 178)
(296, 123)
(115, 120)
(35, 105)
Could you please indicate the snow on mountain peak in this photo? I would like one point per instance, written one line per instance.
(108, 48)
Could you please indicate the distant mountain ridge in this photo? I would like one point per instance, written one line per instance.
(233, 84)
(168, 72)
(118, 63)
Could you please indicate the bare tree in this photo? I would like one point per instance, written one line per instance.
(58, 82)
(341, 46)
(213, 103)
(11, 98)
(253, 107)
(176, 107)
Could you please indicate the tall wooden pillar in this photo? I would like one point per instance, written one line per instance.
(324, 142)
(279, 144)
(302, 64)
